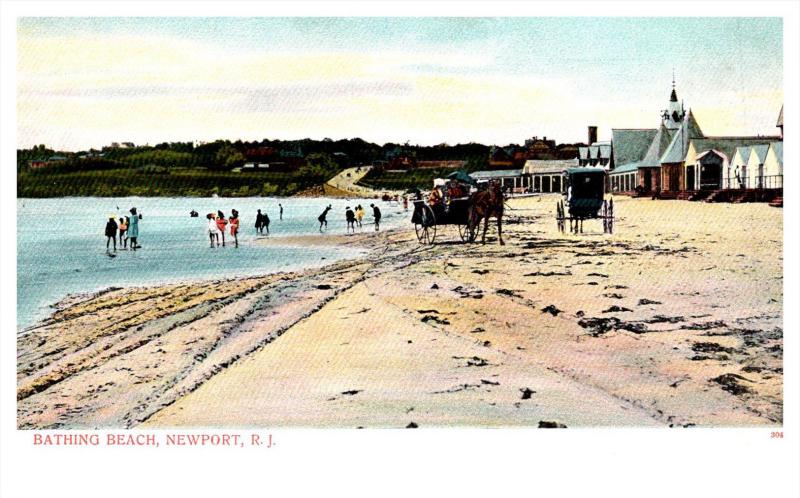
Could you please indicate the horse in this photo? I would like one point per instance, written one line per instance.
(483, 205)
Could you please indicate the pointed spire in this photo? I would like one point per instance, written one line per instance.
(673, 96)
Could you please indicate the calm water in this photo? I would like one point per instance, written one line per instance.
(61, 243)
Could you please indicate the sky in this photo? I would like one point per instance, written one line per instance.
(87, 82)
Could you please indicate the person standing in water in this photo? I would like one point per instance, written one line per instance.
(376, 213)
(235, 227)
(405, 202)
(359, 215)
(111, 233)
(211, 228)
(350, 216)
(133, 229)
(265, 222)
(123, 228)
(259, 223)
(221, 223)
(323, 218)
(280, 211)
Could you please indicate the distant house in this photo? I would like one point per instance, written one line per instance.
(541, 175)
(46, 163)
(511, 178)
(260, 154)
(595, 154)
(278, 164)
(500, 158)
(402, 162)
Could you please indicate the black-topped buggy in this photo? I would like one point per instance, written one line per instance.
(584, 199)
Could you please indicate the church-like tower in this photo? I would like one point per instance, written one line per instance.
(672, 116)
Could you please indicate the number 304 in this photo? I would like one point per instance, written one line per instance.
(776, 435)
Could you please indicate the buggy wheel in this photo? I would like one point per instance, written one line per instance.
(466, 232)
(426, 228)
(472, 224)
(560, 216)
(611, 216)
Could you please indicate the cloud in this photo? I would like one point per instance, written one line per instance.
(87, 90)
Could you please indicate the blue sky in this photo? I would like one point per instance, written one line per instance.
(427, 80)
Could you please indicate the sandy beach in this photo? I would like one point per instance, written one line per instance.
(673, 321)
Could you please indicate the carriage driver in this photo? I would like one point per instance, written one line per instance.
(436, 195)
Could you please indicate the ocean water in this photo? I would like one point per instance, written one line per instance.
(61, 246)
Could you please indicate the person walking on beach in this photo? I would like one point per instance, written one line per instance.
(259, 223)
(350, 216)
(133, 229)
(213, 231)
(221, 223)
(123, 228)
(280, 211)
(111, 233)
(359, 215)
(376, 213)
(265, 223)
(323, 218)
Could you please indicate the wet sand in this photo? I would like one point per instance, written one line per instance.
(675, 320)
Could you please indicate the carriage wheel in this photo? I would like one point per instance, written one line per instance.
(426, 230)
(471, 225)
(560, 216)
(466, 232)
(611, 216)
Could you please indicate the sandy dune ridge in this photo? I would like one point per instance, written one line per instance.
(675, 320)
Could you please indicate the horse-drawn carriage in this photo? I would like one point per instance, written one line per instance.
(461, 208)
(427, 216)
(585, 199)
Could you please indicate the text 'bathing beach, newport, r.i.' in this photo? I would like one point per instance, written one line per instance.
(249, 223)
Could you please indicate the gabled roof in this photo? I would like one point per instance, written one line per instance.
(744, 153)
(503, 173)
(729, 145)
(537, 166)
(600, 150)
(630, 145)
(626, 168)
(676, 152)
(777, 149)
(780, 118)
(713, 152)
(760, 151)
(658, 146)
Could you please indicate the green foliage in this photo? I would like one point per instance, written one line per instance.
(228, 158)
(268, 189)
(154, 169)
(477, 163)
(319, 168)
(165, 158)
(391, 180)
(130, 181)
